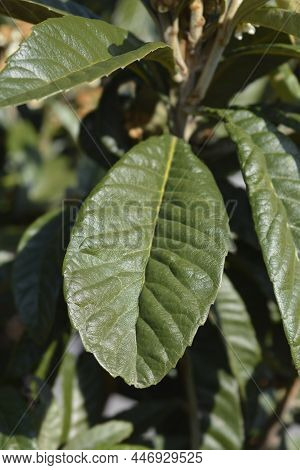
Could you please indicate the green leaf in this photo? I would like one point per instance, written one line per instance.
(292, 437)
(52, 180)
(122, 447)
(289, 117)
(219, 408)
(247, 59)
(276, 49)
(242, 347)
(42, 370)
(16, 427)
(35, 11)
(286, 84)
(276, 18)
(133, 16)
(80, 392)
(64, 52)
(225, 428)
(65, 380)
(246, 8)
(270, 164)
(49, 433)
(227, 84)
(37, 278)
(110, 433)
(293, 5)
(146, 259)
(48, 417)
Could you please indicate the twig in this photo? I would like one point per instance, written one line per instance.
(193, 412)
(226, 28)
(194, 63)
(171, 36)
(197, 23)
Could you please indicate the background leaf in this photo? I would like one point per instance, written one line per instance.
(220, 416)
(37, 272)
(270, 165)
(79, 392)
(276, 18)
(133, 16)
(35, 11)
(16, 428)
(233, 319)
(110, 433)
(246, 8)
(48, 417)
(247, 59)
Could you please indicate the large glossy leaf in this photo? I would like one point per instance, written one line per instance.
(146, 259)
(37, 273)
(64, 52)
(35, 11)
(270, 165)
(242, 347)
(110, 433)
(277, 18)
(219, 408)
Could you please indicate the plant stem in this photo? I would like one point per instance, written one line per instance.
(191, 400)
(171, 36)
(197, 23)
(226, 28)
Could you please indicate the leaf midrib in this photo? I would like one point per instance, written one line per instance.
(269, 181)
(170, 157)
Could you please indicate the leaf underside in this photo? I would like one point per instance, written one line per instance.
(146, 259)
